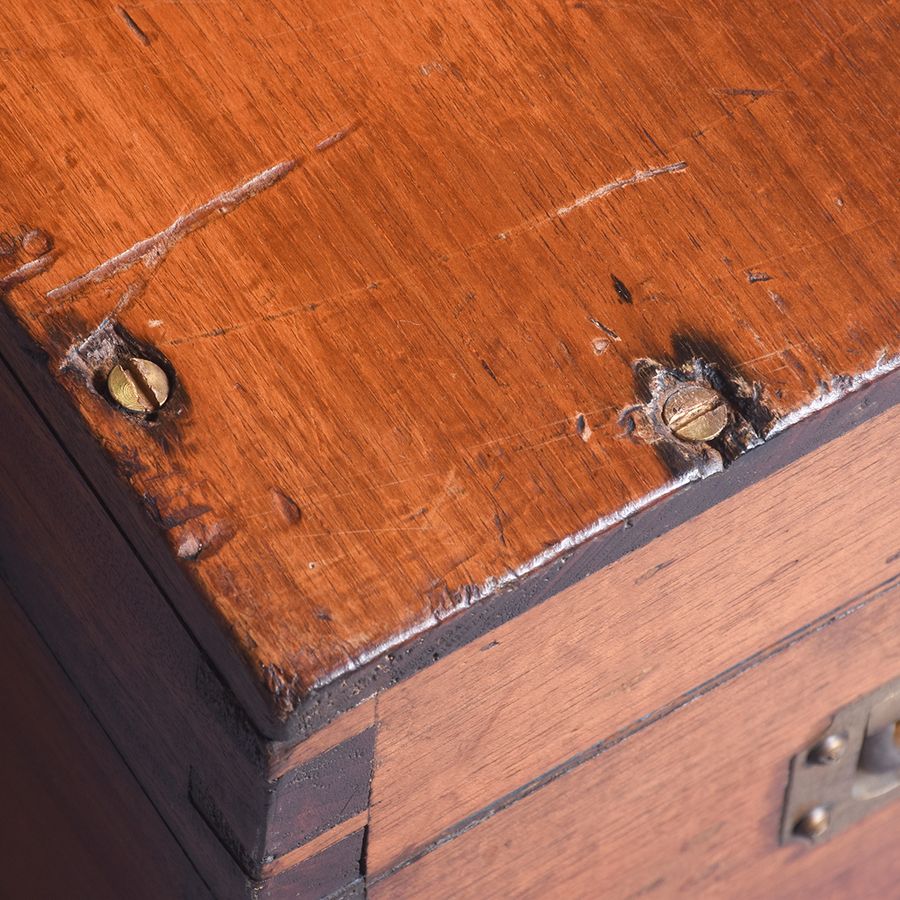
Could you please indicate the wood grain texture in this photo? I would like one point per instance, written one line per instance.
(162, 705)
(691, 806)
(287, 756)
(100, 614)
(401, 257)
(77, 823)
(810, 540)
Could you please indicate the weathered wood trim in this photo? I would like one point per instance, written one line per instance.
(320, 794)
(284, 758)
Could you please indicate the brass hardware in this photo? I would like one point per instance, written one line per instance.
(852, 770)
(695, 413)
(138, 385)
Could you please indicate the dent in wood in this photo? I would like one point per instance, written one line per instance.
(24, 256)
(109, 344)
(286, 507)
(204, 541)
(133, 26)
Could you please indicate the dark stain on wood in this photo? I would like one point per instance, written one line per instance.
(335, 872)
(322, 793)
(621, 289)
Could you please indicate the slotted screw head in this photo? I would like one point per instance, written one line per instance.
(695, 413)
(814, 824)
(138, 385)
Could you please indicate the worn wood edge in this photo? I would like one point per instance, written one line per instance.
(28, 366)
(302, 808)
(319, 795)
(847, 405)
(849, 608)
(848, 402)
(285, 758)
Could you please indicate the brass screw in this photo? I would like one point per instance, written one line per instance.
(814, 824)
(138, 385)
(830, 749)
(36, 242)
(695, 413)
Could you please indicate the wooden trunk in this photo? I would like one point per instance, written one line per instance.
(449, 451)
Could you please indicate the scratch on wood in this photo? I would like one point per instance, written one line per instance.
(606, 189)
(504, 235)
(743, 92)
(653, 571)
(133, 26)
(28, 270)
(604, 328)
(153, 249)
(490, 371)
(498, 524)
(336, 137)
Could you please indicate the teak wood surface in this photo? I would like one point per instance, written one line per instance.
(400, 260)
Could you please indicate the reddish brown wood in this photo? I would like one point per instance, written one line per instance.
(691, 806)
(416, 273)
(402, 351)
(817, 537)
(77, 823)
(207, 771)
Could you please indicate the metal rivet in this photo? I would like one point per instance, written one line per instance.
(830, 749)
(138, 385)
(36, 242)
(814, 824)
(695, 413)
